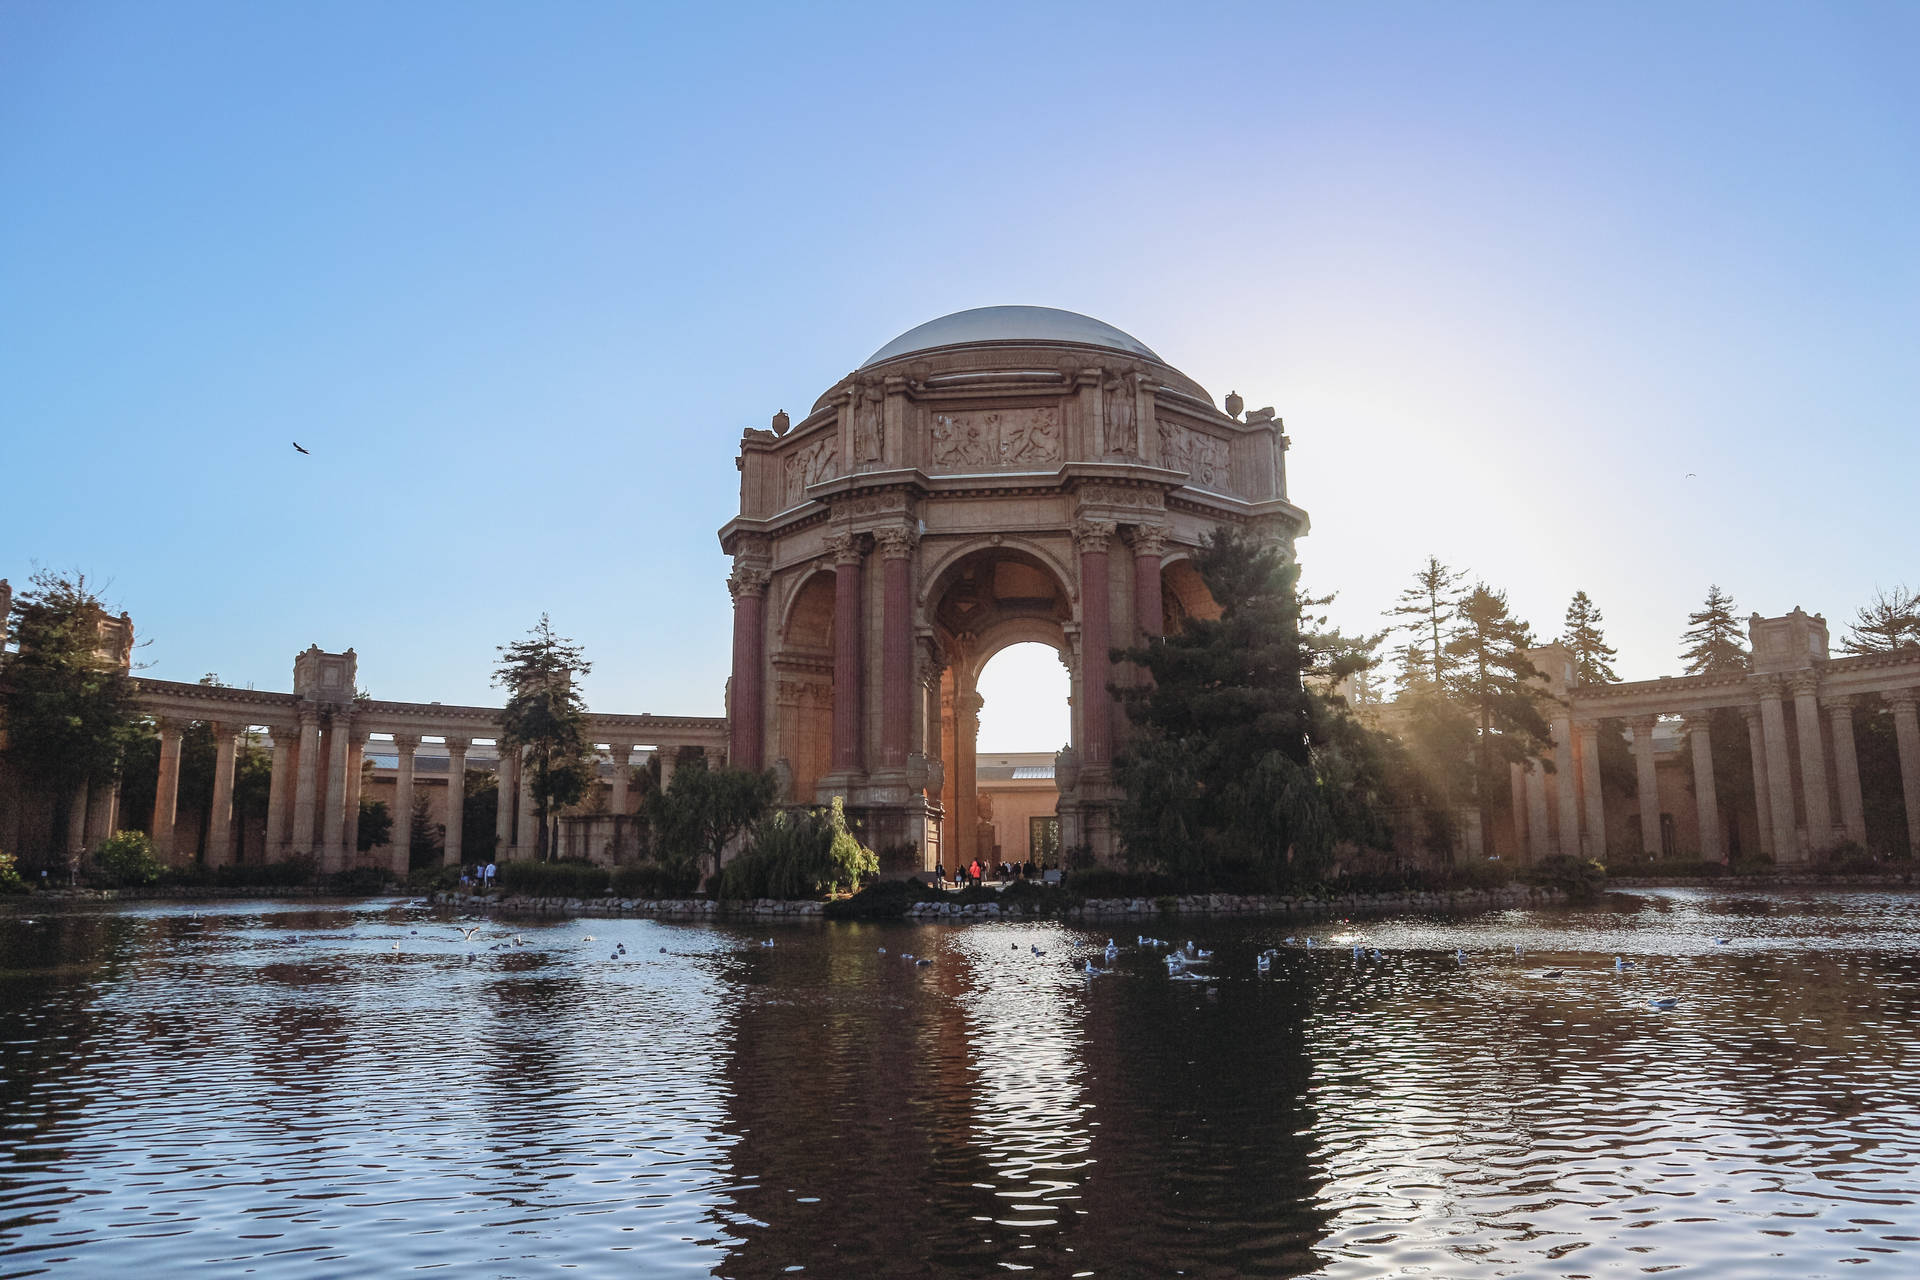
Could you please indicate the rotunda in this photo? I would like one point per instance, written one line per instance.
(994, 476)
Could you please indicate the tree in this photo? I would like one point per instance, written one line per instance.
(1428, 608)
(1889, 621)
(1239, 768)
(425, 838)
(70, 711)
(546, 717)
(1713, 637)
(1592, 656)
(479, 815)
(376, 824)
(703, 810)
(1498, 685)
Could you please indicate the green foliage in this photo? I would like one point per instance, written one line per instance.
(1889, 621)
(1592, 657)
(426, 839)
(569, 879)
(296, 870)
(883, 900)
(546, 718)
(1580, 877)
(10, 881)
(70, 710)
(427, 877)
(652, 880)
(127, 858)
(703, 810)
(1237, 760)
(1111, 882)
(1713, 637)
(1497, 685)
(1427, 610)
(357, 882)
(479, 814)
(798, 854)
(376, 824)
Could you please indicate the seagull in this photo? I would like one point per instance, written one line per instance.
(1553, 973)
(396, 944)
(1290, 941)
(1664, 1002)
(883, 951)
(1309, 942)
(1692, 474)
(1719, 942)
(1376, 953)
(1620, 965)
(1091, 971)
(296, 445)
(467, 934)
(1459, 956)
(767, 943)
(922, 962)
(1263, 962)
(663, 951)
(1517, 952)
(1356, 951)
(589, 937)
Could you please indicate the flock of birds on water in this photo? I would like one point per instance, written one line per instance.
(1183, 964)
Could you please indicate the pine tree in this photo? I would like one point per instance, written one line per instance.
(1498, 685)
(1713, 638)
(546, 716)
(1592, 657)
(1428, 609)
(1889, 621)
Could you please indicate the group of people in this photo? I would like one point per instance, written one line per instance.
(977, 872)
(481, 877)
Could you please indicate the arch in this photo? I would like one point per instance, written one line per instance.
(1183, 595)
(801, 582)
(936, 576)
(1008, 632)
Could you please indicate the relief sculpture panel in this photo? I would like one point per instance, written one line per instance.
(1206, 460)
(810, 464)
(996, 438)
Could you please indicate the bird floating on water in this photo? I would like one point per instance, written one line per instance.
(883, 951)
(1664, 1002)
(1459, 956)
(767, 943)
(1263, 962)
(1719, 942)
(1619, 964)
(922, 962)
(1553, 973)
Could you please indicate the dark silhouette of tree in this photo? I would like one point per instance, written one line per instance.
(546, 717)
(1581, 634)
(1713, 638)
(1500, 688)
(1427, 610)
(1889, 621)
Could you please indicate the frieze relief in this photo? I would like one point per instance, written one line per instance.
(1206, 460)
(804, 692)
(810, 464)
(1119, 392)
(997, 438)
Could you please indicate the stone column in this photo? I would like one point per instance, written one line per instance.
(966, 792)
(1096, 715)
(527, 831)
(1762, 797)
(1646, 785)
(166, 790)
(1706, 796)
(1537, 829)
(1569, 802)
(622, 752)
(1906, 732)
(1149, 544)
(747, 706)
(103, 810)
(77, 826)
(848, 679)
(280, 742)
(333, 827)
(669, 757)
(1846, 769)
(401, 845)
(1594, 791)
(350, 810)
(456, 823)
(507, 788)
(1773, 726)
(896, 649)
(307, 767)
(220, 821)
(1517, 799)
(1813, 762)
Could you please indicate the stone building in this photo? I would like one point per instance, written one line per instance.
(994, 476)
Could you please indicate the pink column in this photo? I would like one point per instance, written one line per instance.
(1092, 537)
(1149, 543)
(1906, 735)
(166, 791)
(747, 707)
(847, 555)
(896, 659)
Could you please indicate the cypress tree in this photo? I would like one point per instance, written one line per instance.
(1713, 637)
(1581, 634)
(1498, 685)
(546, 715)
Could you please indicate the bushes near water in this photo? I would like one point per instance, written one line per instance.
(883, 900)
(10, 881)
(126, 858)
(569, 879)
(653, 880)
(798, 854)
(1111, 882)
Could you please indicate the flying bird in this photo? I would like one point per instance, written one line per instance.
(296, 445)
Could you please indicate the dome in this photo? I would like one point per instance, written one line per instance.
(1011, 324)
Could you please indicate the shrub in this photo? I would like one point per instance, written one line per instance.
(127, 858)
(798, 854)
(10, 881)
(1671, 869)
(1110, 882)
(569, 879)
(357, 882)
(1850, 859)
(294, 870)
(655, 880)
(434, 876)
(883, 900)
(1580, 877)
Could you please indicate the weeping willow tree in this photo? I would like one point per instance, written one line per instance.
(1244, 768)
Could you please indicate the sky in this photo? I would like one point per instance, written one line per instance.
(1619, 298)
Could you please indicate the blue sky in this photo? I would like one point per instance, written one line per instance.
(518, 275)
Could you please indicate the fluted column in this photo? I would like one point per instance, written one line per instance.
(307, 782)
(507, 789)
(1149, 544)
(1537, 829)
(896, 649)
(1773, 726)
(401, 845)
(1906, 732)
(1813, 762)
(1563, 785)
(333, 827)
(220, 821)
(966, 795)
(848, 624)
(77, 825)
(1762, 793)
(747, 706)
(166, 789)
(1706, 797)
(1594, 794)
(1846, 770)
(1646, 785)
(350, 810)
(456, 823)
(526, 830)
(1096, 717)
(621, 752)
(103, 809)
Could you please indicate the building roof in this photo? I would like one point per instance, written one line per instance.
(1011, 324)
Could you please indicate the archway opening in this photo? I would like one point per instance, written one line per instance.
(1025, 717)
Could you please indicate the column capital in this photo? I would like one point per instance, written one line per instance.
(1805, 684)
(309, 713)
(1902, 699)
(748, 580)
(1750, 712)
(969, 704)
(1840, 706)
(356, 737)
(458, 744)
(897, 542)
(1150, 539)
(846, 548)
(1092, 535)
(406, 741)
(1643, 725)
(168, 727)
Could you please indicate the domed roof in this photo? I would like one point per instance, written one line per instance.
(1011, 324)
